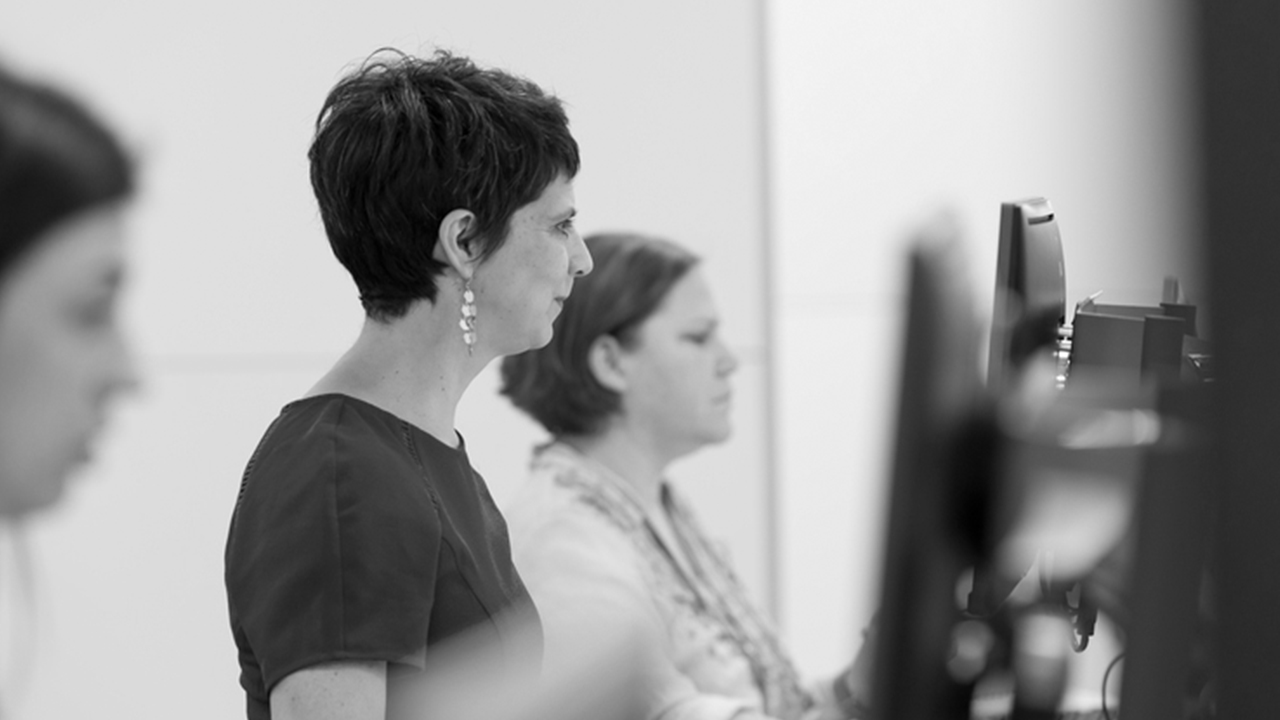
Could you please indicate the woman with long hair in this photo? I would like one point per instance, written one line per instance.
(637, 376)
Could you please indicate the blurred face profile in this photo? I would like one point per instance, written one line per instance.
(62, 356)
(678, 371)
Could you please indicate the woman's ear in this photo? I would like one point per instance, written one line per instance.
(455, 245)
(604, 358)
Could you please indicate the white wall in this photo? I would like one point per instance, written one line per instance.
(237, 305)
(882, 113)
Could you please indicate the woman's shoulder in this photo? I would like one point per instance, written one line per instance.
(336, 426)
(563, 485)
(337, 413)
(548, 494)
(561, 500)
(333, 447)
(564, 542)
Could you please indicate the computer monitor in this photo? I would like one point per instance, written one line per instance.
(1168, 632)
(1028, 310)
(937, 503)
(1030, 290)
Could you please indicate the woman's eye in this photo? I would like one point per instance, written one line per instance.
(700, 338)
(565, 226)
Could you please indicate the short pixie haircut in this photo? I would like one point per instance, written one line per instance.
(404, 141)
(56, 161)
(554, 384)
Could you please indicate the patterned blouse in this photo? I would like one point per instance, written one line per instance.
(589, 552)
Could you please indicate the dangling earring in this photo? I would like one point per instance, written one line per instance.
(468, 321)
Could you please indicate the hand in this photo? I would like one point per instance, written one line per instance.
(853, 686)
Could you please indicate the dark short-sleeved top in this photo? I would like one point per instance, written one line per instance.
(358, 536)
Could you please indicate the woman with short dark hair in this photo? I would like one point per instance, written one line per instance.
(635, 377)
(363, 540)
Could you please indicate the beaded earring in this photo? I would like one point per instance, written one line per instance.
(468, 321)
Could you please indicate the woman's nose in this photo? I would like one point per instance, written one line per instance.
(580, 262)
(123, 375)
(728, 360)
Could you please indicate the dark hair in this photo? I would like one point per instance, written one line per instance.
(56, 160)
(403, 141)
(554, 384)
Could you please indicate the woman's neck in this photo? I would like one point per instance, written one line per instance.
(412, 367)
(630, 459)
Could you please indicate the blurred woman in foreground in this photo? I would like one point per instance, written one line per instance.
(63, 182)
(636, 376)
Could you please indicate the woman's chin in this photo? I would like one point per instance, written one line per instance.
(538, 339)
(32, 498)
(716, 436)
(721, 437)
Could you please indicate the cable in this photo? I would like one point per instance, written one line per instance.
(1105, 677)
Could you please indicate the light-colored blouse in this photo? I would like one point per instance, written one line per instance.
(592, 557)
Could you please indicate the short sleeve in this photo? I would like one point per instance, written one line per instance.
(333, 548)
